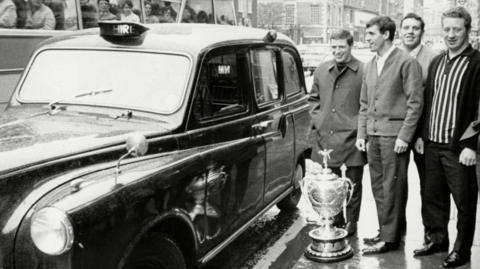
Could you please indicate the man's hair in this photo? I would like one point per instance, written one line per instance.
(128, 3)
(416, 17)
(343, 34)
(459, 12)
(384, 24)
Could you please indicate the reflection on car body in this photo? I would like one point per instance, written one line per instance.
(215, 119)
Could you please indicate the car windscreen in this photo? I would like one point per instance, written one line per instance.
(135, 80)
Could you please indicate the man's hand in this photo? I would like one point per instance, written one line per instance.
(467, 157)
(419, 146)
(360, 144)
(400, 146)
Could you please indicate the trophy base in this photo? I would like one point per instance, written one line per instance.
(328, 248)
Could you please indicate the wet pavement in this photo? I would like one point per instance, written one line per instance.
(278, 239)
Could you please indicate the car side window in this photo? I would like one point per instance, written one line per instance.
(219, 92)
(290, 73)
(265, 78)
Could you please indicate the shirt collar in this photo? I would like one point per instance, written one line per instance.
(387, 53)
(414, 53)
(353, 64)
(468, 52)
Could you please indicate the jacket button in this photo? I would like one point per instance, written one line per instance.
(334, 110)
(331, 132)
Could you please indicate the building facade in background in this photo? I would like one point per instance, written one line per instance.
(313, 21)
(246, 12)
(356, 15)
(433, 10)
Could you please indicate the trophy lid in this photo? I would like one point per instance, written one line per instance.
(326, 173)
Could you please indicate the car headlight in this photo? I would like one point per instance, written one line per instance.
(51, 231)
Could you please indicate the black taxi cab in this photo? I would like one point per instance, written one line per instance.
(133, 147)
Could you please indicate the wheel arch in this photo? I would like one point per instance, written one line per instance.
(177, 226)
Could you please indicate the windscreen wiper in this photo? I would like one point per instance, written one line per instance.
(53, 105)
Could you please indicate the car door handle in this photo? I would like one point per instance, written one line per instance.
(262, 126)
(283, 125)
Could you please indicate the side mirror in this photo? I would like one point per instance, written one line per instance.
(137, 146)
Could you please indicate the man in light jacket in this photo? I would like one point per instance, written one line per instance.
(412, 28)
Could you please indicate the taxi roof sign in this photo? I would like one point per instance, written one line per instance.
(121, 32)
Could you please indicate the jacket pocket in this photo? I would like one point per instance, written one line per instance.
(396, 119)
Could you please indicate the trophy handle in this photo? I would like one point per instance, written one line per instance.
(350, 186)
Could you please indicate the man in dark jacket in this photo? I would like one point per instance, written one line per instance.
(451, 100)
(336, 92)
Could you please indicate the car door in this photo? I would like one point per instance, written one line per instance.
(274, 121)
(222, 116)
(297, 99)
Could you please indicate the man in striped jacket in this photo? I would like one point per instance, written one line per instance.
(451, 98)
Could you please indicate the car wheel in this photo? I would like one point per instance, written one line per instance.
(291, 201)
(156, 252)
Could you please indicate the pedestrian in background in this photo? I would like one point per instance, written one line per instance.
(336, 94)
(391, 102)
(451, 101)
(412, 28)
(41, 16)
(8, 14)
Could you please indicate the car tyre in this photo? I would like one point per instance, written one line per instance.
(290, 202)
(156, 252)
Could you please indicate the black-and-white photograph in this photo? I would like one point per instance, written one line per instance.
(239, 134)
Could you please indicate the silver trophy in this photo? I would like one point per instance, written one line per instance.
(326, 194)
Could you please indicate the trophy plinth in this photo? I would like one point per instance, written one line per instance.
(326, 194)
(328, 247)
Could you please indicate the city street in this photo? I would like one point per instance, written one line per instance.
(278, 240)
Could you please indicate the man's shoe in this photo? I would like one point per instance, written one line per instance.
(351, 228)
(372, 240)
(454, 259)
(429, 249)
(380, 247)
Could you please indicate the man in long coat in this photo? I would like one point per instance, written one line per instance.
(336, 93)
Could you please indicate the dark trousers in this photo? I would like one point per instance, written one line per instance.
(420, 163)
(445, 176)
(355, 174)
(388, 173)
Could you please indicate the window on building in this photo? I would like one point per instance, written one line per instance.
(224, 12)
(44, 15)
(315, 14)
(289, 14)
(198, 11)
(159, 11)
